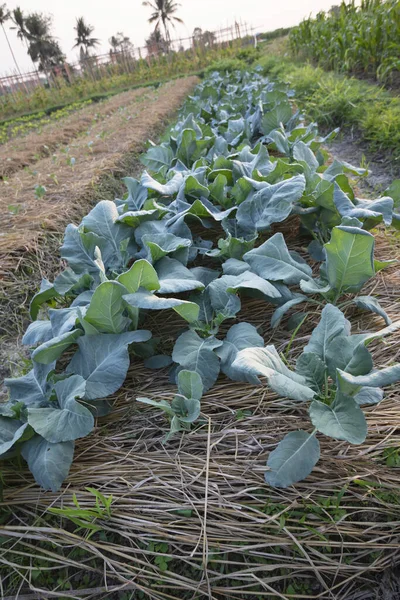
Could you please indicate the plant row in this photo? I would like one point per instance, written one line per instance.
(238, 161)
(24, 125)
(360, 38)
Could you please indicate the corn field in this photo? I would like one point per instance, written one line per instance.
(362, 39)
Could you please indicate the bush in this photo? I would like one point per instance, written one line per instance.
(226, 64)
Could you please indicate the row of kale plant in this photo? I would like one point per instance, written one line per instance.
(239, 159)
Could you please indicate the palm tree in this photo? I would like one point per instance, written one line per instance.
(43, 48)
(163, 13)
(17, 17)
(4, 16)
(83, 39)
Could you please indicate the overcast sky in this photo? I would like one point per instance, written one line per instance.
(110, 16)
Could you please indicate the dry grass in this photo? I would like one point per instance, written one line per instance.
(331, 536)
(23, 152)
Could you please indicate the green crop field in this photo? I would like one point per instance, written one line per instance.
(204, 400)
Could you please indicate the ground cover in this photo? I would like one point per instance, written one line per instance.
(195, 517)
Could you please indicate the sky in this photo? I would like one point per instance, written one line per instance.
(110, 16)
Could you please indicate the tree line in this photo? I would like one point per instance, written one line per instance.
(35, 32)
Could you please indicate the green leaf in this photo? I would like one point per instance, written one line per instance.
(141, 274)
(196, 354)
(161, 244)
(313, 369)
(273, 261)
(161, 404)
(271, 204)
(331, 325)
(52, 350)
(267, 362)
(343, 420)
(70, 421)
(103, 361)
(103, 221)
(46, 292)
(11, 431)
(33, 388)
(157, 157)
(239, 337)
(37, 333)
(273, 118)
(145, 299)
(190, 384)
(293, 459)
(49, 463)
(370, 303)
(174, 277)
(349, 258)
(352, 383)
(282, 310)
(106, 308)
(186, 409)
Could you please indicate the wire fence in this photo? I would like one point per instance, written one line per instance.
(125, 61)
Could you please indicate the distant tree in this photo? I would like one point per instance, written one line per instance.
(205, 39)
(43, 47)
(164, 13)
(121, 43)
(18, 18)
(156, 43)
(83, 39)
(4, 16)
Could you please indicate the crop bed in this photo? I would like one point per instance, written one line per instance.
(244, 228)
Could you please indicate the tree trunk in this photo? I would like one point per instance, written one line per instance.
(12, 54)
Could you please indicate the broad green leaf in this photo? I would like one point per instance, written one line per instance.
(343, 420)
(272, 204)
(46, 292)
(370, 303)
(293, 459)
(187, 410)
(349, 258)
(166, 189)
(133, 218)
(11, 431)
(158, 361)
(103, 221)
(194, 353)
(160, 245)
(69, 282)
(273, 261)
(351, 384)
(368, 395)
(313, 369)
(37, 333)
(50, 351)
(273, 118)
(141, 274)
(282, 310)
(33, 388)
(239, 337)
(348, 354)
(137, 194)
(49, 463)
(332, 324)
(190, 384)
(70, 421)
(157, 157)
(174, 277)
(106, 308)
(145, 299)
(103, 361)
(79, 250)
(267, 363)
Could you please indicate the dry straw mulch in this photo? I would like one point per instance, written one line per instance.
(24, 151)
(227, 534)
